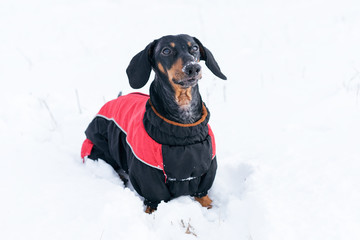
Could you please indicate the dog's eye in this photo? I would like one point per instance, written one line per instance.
(194, 48)
(166, 51)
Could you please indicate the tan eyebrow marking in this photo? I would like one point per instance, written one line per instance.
(172, 44)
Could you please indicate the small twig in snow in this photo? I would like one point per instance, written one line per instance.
(189, 229)
(78, 100)
(27, 59)
(182, 223)
(49, 111)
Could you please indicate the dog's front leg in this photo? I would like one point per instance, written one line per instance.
(205, 201)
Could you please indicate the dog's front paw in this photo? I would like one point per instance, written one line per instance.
(149, 210)
(205, 201)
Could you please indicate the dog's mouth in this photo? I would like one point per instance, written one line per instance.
(187, 82)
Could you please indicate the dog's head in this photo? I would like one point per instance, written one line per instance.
(174, 58)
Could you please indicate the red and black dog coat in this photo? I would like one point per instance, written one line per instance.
(163, 159)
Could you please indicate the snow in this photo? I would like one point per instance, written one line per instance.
(286, 121)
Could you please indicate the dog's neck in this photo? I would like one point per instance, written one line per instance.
(162, 97)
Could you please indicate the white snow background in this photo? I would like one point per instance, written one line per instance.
(287, 120)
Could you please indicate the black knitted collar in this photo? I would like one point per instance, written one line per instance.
(168, 132)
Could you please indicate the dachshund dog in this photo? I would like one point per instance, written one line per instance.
(162, 141)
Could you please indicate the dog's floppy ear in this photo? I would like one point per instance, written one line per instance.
(139, 68)
(209, 59)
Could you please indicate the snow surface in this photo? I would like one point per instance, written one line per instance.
(287, 121)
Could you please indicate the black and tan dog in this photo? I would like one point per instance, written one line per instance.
(162, 141)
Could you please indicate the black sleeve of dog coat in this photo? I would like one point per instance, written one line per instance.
(207, 180)
(97, 133)
(149, 182)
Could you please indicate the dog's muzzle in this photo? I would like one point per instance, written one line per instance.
(192, 72)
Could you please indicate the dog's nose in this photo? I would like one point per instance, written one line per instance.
(192, 70)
